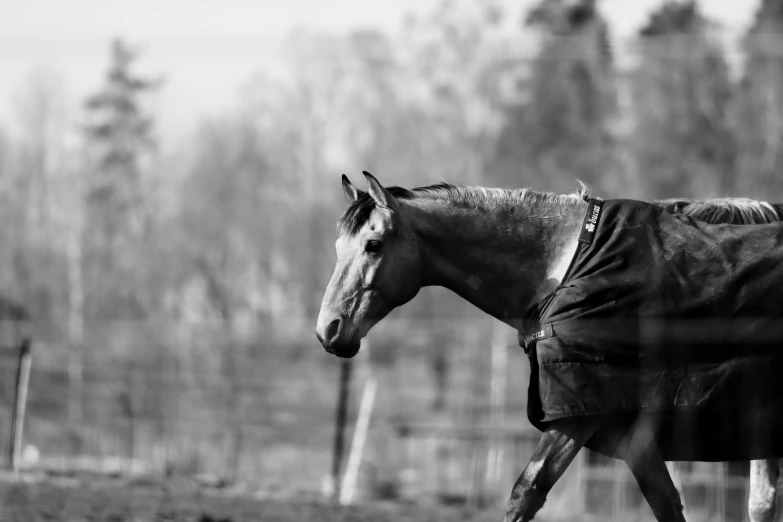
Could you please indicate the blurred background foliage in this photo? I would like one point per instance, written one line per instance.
(176, 293)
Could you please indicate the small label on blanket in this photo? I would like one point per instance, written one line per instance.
(593, 214)
(543, 332)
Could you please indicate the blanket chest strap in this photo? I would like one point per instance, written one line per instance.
(542, 332)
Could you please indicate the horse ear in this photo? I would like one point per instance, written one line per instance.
(351, 192)
(380, 194)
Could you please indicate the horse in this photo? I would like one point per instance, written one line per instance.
(741, 211)
(505, 251)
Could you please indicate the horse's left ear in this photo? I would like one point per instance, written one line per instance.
(380, 194)
(351, 192)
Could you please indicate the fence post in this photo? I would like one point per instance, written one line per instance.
(20, 403)
(340, 421)
(348, 485)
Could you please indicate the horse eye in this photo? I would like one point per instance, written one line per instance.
(372, 246)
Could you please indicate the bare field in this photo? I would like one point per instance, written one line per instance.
(114, 500)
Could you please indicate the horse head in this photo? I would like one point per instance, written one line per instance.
(378, 267)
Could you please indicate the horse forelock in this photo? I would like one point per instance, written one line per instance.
(468, 197)
(358, 213)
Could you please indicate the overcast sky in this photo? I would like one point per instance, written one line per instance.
(208, 48)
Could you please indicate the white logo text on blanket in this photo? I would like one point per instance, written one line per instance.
(593, 214)
(544, 331)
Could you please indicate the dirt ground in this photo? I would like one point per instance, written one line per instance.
(99, 499)
(104, 499)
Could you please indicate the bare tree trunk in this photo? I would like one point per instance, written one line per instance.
(476, 447)
(135, 387)
(220, 297)
(499, 377)
(234, 402)
(75, 328)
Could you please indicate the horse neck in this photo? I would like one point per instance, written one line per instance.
(502, 262)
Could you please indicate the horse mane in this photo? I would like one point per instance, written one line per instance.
(476, 198)
(732, 211)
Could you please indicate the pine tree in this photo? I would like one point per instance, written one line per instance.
(119, 135)
(119, 140)
(682, 142)
(110, 258)
(564, 127)
(758, 114)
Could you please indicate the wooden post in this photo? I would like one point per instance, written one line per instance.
(340, 422)
(348, 487)
(20, 403)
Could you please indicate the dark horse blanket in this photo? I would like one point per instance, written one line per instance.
(663, 314)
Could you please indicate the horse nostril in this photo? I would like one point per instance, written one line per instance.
(333, 330)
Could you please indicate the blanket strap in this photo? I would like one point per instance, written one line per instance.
(544, 331)
(592, 216)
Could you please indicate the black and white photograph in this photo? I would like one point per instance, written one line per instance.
(391, 261)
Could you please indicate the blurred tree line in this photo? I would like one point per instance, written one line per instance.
(235, 228)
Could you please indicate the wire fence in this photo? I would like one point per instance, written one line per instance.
(257, 409)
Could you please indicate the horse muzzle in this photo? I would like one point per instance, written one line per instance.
(337, 338)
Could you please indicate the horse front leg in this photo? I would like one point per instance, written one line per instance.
(559, 444)
(763, 480)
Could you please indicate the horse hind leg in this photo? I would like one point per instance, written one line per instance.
(763, 480)
(641, 453)
(656, 484)
(559, 445)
